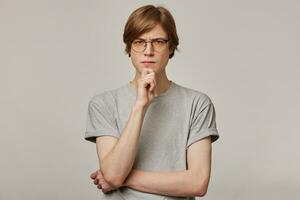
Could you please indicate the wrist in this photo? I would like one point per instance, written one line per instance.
(128, 180)
(139, 107)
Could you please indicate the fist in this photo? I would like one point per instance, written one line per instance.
(101, 183)
(146, 86)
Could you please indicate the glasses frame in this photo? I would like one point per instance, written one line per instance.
(151, 42)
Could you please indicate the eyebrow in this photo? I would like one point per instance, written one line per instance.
(153, 38)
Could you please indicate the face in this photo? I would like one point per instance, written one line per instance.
(150, 58)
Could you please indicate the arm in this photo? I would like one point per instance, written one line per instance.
(191, 182)
(117, 156)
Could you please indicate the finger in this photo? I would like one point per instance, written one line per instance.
(96, 181)
(150, 75)
(107, 188)
(146, 72)
(103, 182)
(99, 175)
(99, 187)
(151, 82)
(145, 83)
(94, 174)
(152, 86)
(148, 79)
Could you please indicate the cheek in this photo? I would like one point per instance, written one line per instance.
(164, 58)
(134, 60)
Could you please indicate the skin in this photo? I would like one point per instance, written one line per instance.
(150, 81)
(154, 73)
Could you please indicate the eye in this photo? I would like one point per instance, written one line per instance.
(139, 42)
(159, 42)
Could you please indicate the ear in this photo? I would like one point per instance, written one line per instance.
(171, 51)
(171, 54)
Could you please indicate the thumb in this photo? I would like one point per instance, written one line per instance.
(94, 174)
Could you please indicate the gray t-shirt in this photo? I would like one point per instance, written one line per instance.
(174, 120)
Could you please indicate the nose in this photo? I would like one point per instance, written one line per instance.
(149, 51)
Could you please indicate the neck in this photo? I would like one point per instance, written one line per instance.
(162, 83)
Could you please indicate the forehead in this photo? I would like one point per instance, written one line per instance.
(156, 32)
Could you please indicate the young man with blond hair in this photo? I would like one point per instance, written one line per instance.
(153, 136)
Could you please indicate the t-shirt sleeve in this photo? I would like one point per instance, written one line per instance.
(100, 121)
(203, 123)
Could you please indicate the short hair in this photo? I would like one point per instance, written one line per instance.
(144, 19)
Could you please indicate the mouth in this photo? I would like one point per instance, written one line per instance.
(148, 61)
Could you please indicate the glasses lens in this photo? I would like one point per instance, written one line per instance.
(158, 45)
(138, 45)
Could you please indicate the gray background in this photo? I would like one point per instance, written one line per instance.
(55, 55)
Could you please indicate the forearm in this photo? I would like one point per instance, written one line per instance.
(179, 183)
(119, 161)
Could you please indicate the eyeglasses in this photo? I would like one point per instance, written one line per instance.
(139, 45)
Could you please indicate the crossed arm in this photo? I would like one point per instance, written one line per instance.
(191, 182)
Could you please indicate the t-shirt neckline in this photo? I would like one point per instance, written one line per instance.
(133, 91)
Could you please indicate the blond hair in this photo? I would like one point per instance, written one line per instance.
(144, 19)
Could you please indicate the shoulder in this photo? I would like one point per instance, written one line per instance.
(193, 95)
(107, 97)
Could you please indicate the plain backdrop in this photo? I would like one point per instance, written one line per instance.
(56, 54)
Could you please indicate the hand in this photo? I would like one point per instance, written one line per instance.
(101, 183)
(146, 87)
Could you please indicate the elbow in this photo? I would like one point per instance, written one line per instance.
(200, 189)
(112, 177)
(201, 192)
(114, 181)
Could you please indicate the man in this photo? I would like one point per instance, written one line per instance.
(153, 136)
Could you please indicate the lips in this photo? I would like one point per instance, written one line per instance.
(146, 61)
